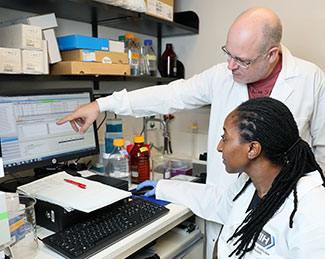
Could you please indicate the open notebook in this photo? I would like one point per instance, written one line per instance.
(56, 190)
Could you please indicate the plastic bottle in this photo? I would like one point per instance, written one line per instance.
(169, 62)
(133, 53)
(118, 162)
(139, 161)
(150, 59)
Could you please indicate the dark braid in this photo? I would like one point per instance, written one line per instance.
(270, 122)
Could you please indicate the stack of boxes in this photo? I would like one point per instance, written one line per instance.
(26, 40)
(23, 48)
(92, 56)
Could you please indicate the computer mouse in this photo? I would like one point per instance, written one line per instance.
(142, 191)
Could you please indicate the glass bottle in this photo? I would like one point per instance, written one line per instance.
(150, 59)
(117, 165)
(133, 53)
(169, 62)
(139, 161)
(141, 61)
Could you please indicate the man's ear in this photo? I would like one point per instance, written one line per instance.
(255, 150)
(273, 54)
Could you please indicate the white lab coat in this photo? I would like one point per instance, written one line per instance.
(300, 85)
(304, 241)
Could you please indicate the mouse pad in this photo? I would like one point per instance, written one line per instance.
(151, 198)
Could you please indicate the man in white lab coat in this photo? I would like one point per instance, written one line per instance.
(258, 65)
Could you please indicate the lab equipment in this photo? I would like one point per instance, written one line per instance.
(139, 161)
(117, 163)
(169, 62)
(109, 139)
(89, 237)
(30, 137)
(22, 222)
(113, 131)
(133, 53)
(167, 148)
(149, 58)
(171, 165)
(114, 125)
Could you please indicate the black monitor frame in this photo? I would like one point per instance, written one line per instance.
(53, 161)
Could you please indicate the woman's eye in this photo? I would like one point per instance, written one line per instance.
(223, 138)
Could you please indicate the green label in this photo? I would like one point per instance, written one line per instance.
(3, 215)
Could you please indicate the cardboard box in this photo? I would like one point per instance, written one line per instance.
(10, 60)
(21, 36)
(82, 42)
(112, 57)
(53, 46)
(116, 46)
(87, 55)
(32, 61)
(163, 9)
(89, 68)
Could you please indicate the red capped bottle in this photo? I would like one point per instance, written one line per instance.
(139, 161)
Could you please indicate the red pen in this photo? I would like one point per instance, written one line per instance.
(80, 185)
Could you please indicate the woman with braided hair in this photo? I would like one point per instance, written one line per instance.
(276, 207)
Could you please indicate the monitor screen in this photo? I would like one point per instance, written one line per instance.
(29, 135)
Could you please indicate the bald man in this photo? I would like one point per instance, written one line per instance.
(258, 65)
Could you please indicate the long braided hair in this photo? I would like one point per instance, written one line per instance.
(271, 123)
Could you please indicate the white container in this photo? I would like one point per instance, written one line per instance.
(32, 61)
(21, 36)
(53, 47)
(10, 60)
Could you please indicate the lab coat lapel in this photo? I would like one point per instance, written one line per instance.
(282, 90)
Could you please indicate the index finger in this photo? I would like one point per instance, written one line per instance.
(66, 119)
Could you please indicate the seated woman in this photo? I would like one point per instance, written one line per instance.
(276, 207)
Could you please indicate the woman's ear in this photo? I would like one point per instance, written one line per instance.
(255, 150)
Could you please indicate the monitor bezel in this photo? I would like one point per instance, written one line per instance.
(54, 161)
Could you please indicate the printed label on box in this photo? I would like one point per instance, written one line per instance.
(167, 11)
(88, 56)
(32, 43)
(154, 7)
(107, 60)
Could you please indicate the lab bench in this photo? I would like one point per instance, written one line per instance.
(182, 246)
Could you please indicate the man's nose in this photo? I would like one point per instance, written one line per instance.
(232, 64)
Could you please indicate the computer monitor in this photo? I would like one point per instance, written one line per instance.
(29, 135)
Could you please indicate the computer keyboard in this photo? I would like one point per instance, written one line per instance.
(86, 238)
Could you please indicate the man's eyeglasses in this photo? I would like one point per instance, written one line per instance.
(239, 61)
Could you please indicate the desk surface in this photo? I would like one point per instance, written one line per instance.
(133, 242)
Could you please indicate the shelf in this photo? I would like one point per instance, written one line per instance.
(39, 78)
(186, 23)
(95, 13)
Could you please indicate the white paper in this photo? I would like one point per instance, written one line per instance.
(56, 190)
